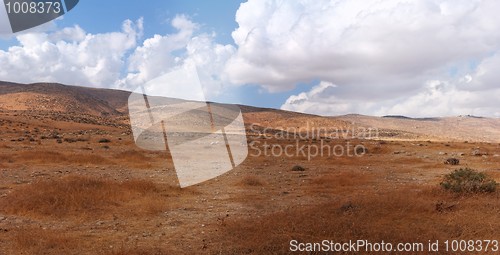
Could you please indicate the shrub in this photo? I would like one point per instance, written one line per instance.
(104, 140)
(298, 168)
(466, 180)
(70, 140)
(252, 181)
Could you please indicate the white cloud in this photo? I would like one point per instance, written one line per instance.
(414, 57)
(435, 98)
(115, 60)
(69, 56)
(161, 54)
(378, 54)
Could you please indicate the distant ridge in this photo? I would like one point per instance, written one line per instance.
(409, 118)
(471, 116)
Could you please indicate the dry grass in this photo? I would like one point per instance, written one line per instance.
(39, 241)
(403, 215)
(132, 155)
(134, 158)
(252, 180)
(139, 251)
(50, 157)
(83, 197)
(347, 179)
(6, 158)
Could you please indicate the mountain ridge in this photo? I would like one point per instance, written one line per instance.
(110, 104)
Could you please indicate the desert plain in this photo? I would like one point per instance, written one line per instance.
(72, 181)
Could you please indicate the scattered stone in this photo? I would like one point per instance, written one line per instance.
(478, 152)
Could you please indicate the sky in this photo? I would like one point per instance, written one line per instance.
(417, 58)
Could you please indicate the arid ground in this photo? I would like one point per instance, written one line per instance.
(72, 181)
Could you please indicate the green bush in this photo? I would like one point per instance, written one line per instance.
(466, 180)
(104, 140)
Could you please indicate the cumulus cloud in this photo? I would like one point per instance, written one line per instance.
(70, 56)
(161, 54)
(118, 59)
(413, 57)
(379, 54)
(434, 98)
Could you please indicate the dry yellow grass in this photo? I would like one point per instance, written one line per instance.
(77, 196)
(39, 241)
(251, 180)
(51, 157)
(405, 214)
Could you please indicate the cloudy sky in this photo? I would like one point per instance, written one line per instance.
(415, 58)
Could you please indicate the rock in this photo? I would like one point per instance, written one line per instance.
(452, 161)
(298, 168)
(478, 152)
(361, 150)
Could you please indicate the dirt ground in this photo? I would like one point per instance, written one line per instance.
(81, 188)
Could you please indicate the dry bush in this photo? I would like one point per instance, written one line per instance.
(252, 180)
(402, 215)
(132, 155)
(5, 146)
(83, 196)
(104, 140)
(467, 181)
(134, 158)
(6, 159)
(87, 159)
(342, 179)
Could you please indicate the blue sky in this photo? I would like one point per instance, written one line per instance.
(213, 16)
(376, 57)
(103, 16)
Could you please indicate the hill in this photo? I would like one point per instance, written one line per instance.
(108, 107)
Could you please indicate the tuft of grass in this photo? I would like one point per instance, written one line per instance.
(251, 180)
(466, 180)
(83, 196)
(39, 241)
